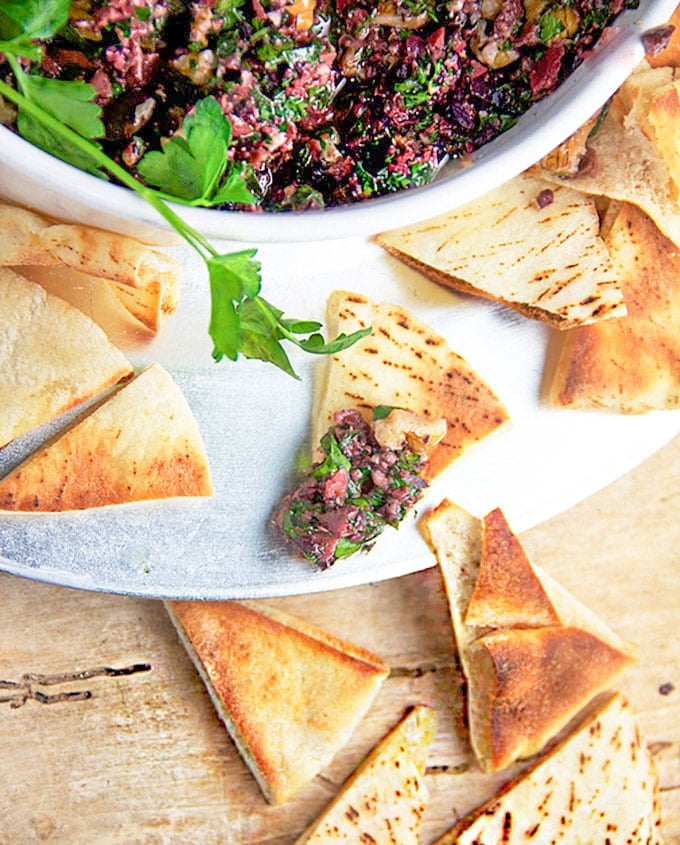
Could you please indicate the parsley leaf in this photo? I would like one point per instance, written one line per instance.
(263, 327)
(22, 21)
(380, 412)
(549, 27)
(232, 277)
(68, 102)
(193, 162)
(335, 457)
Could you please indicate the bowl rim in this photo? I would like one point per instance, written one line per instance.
(545, 125)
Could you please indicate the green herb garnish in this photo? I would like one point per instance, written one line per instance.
(549, 27)
(192, 165)
(62, 118)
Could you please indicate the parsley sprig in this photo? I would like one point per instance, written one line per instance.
(192, 168)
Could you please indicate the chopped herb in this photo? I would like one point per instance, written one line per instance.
(346, 500)
(549, 27)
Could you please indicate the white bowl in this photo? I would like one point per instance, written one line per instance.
(31, 177)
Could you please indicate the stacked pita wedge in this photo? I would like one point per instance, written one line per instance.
(631, 365)
(52, 357)
(633, 155)
(289, 694)
(598, 784)
(145, 280)
(403, 363)
(528, 244)
(142, 442)
(533, 656)
(384, 800)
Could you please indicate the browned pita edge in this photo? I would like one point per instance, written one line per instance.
(524, 683)
(139, 442)
(531, 681)
(443, 383)
(254, 661)
(533, 312)
(596, 783)
(37, 388)
(507, 592)
(383, 801)
(528, 286)
(631, 365)
(144, 279)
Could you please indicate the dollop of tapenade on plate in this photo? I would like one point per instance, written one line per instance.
(345, 500)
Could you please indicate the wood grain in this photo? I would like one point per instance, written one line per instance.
(146, 760)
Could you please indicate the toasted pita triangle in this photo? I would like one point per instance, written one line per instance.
(630, 365)
(140, 443)
(548, 263)
(628, 168)
(404, 363)
(650, 99)
(598, 784)
(98, 299)
(289, 694)
(27, 238)
(533, 681)
(52, 357)
(503, 665)
(507, 592)
(384, 800)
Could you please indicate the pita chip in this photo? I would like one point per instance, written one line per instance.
(383, 801)
(403, 363)
(141, 442)
(650, 98)
(289, 693)
(531, 245)
(529, 670)
(597, 784)
(633, 155)
(631, 365)
(146, 280)
(52, 357)
(507, 592)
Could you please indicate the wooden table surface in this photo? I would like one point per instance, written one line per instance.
(144, 758)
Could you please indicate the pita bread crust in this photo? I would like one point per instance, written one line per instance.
(547, 263)
(404, 363)
(52, 357)
(29, 238)
(383, 801)
(598, 784)
(630, 365)
(539, 679)
(290, 694)
(628, 168)
(140, 443)
(507, 592)
(500, 732)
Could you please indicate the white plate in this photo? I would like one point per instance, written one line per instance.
(255, 420)
(27, 175)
